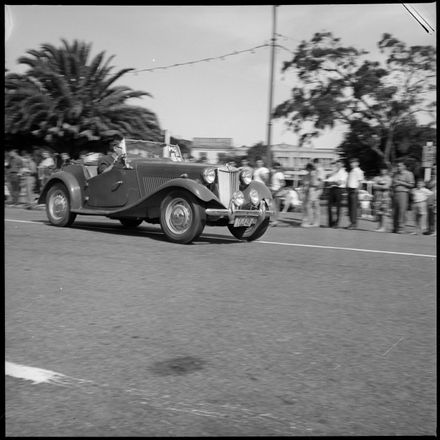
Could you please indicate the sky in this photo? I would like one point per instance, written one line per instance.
(226, 97)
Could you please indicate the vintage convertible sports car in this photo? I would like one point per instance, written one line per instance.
(159, 187)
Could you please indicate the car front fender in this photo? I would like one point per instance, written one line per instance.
(70, 182)
(200, 191)
(262, 189)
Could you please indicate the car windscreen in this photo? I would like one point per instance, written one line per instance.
(153, 150)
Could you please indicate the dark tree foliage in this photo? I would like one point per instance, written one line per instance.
(258, 150)
(336, 84)
(67, 102)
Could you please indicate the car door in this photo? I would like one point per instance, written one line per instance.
(110, 189)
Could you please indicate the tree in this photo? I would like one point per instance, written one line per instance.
(258, 150)
(65, 102)
(338, 85)
(409, 139)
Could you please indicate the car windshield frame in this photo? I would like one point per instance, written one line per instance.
(153, 150)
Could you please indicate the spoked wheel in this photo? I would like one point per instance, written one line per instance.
(130, 222)
(58, 206)
(182, 218)
(251, 233)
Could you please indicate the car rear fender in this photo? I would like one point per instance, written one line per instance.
(70, 182)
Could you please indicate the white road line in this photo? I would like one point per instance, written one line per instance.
(21, 221)
(347, 249)
(39, 375)
(282, 244)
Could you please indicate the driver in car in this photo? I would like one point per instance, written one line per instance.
(116, 157)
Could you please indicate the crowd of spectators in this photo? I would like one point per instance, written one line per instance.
(26, 174)
(392, 195)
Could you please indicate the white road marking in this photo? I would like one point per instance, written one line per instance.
(39, 375)
(347, 249)
(411, 254)
(21, 221)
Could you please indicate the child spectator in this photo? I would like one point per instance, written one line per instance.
(420, 196)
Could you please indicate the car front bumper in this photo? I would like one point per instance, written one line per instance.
(233, 213)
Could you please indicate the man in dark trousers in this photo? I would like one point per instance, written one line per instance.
(354, 183)
(403, 182)
(335, 183)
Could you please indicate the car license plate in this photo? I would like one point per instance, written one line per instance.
(244, 221)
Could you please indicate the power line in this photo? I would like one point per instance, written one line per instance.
(221, 57)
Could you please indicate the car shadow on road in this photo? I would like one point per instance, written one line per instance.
(152, 232)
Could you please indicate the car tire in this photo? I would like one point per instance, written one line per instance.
(131, 222)
(182, 217)
(251, 233)
(58, 206)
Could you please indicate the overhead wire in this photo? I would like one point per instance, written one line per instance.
(220, 57)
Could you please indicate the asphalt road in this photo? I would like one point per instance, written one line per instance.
(306, 332)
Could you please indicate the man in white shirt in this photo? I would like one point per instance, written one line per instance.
(276, 185)
(261, 173)
(335, 183)
(354, 183)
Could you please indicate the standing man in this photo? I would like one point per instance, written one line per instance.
(336, 183)
(354, 183)
(14, 175)
(403, 182)
(261, 173)
(432, 202)
(320, 172)
(29, 171)
(45, 168)
(276, 187)
(381, 186)
(311, 202)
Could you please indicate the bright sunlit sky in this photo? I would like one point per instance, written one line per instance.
(220, 98)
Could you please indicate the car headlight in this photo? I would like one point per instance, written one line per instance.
(254, 196)
(208, 175)
(246, 176)
(238, 198)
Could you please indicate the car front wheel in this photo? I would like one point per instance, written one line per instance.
(182, 218)
(251, 233)
(58, 206)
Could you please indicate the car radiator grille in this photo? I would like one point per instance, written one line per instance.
(228, 183)
(152, 183)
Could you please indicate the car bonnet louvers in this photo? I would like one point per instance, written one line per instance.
(228, 183)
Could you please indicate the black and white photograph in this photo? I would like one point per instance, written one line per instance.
(220, 220)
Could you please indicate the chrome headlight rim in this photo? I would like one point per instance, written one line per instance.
(254, 197)
(237, 198)
(208, 175)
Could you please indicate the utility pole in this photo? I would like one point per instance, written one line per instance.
(272, 66)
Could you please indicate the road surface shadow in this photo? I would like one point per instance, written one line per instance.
(151, 232)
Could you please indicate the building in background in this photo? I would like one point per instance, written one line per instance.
(211, 150)
(294, 159)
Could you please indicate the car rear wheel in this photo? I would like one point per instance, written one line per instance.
(251, 233)
(58, 206)
(131, 222)
(182, 218)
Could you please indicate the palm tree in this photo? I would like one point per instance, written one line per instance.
(65, 101)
